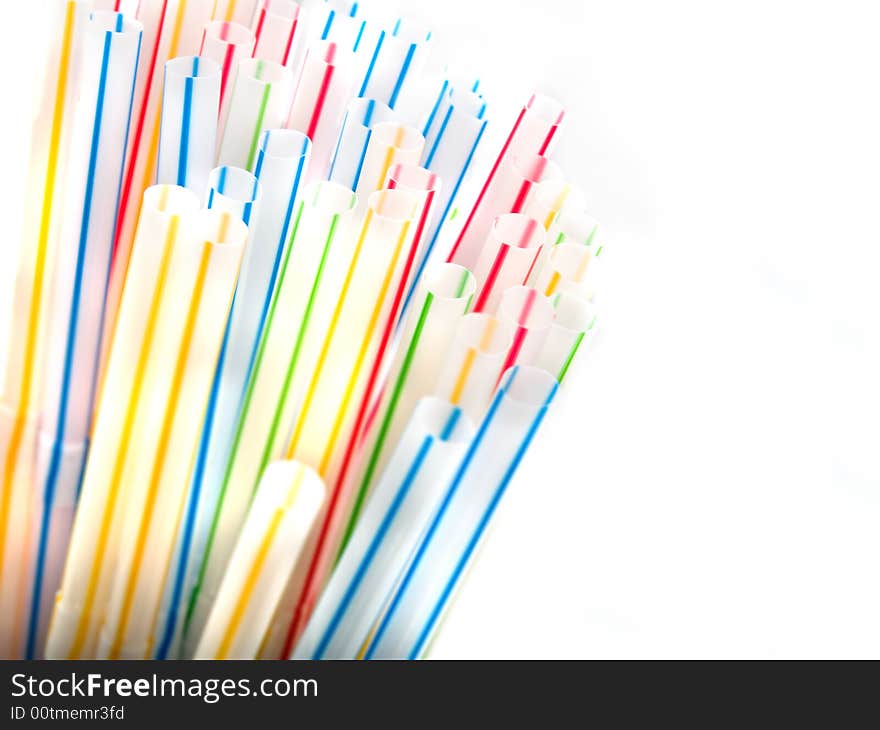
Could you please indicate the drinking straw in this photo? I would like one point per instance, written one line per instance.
(309, 283)
(260, 101)
(397, 57)
(179, 376)
(20, 388)
(351, 147)
(471, 366)
(389, 144)
(577, 271)
(546, 202)
(421, 100)
(355, 340)
(171, 28)
(103, 490)
(235, 11)
(510, 253)
(438, 563)
(417, 475)
(449, 150)
(337, 21)
(443, 298)
(188, 132)
(322, 92)
(281, 165)
(566, 270)
(575, 318)
(276, 32)
(284, 508)
(109, 64)
(529, 316)
(227, 43)
(532, 134)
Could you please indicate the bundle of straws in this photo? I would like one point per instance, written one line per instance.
(266, 386)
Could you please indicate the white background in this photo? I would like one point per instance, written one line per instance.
(707, 485)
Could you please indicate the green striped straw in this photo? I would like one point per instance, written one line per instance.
(575, 319)
(445, 297)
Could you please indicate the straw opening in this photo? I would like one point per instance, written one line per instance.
(286, 9)
(116, 23)
(517, 230)
(546, 108)
(450, 281)
(399, 136)
(193, 67)
(529, 386)
(263, 71)
(229, 33)
(527, 308)
(536, 169)
(412, 177)
(394, 205)
(573, 313)
(329, 198)
(220, 228)
(284, 144)
(235, 183)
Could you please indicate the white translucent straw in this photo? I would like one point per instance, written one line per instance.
(277, 31)
(237, 11)
(322, 92)
(260, 101)
(533, 133)
(79, 285)
(309, 283)
(423, 463)
(351, 147)
(226, 43)
(188, 136)
(442, 300)
(389, 144)
(281, 515)
(575, 319)
(398, 57)
(281, 166)
(427, 584)
(509, 255)
(528, 315)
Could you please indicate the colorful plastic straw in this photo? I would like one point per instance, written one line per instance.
(189, 333)
(453, 534)
(281, 166)
(275, 29)
(21, 387)
(532, 134)
(470, 370)
(322, 92)
(575, 318)
(427, 456)
(188, 136)
(529, 316)
(453, 132)
(310, 280)
(78, 289)
(443, 299)
(281, 516)
(171, 28)
(566, 270)
(235, 11)
(356, 338)
(351, 147)
(227, 43)
(389, 144)
(103, 494)
(508, 257)
(260, 101)
(397, 57)
(547, 202)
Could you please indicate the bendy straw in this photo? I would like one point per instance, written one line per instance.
(533, 133)
(322, 91)
(389, 144)
(355, 340)
(528, 315)
(508, 257)
(236, 11)
(188, 136)
(397, 57)
(452, 134)
(419, 471)
(310, 280)
(20, 389)
(79, 285)
(280, 167)
(470, 370)
(227, 43)
(189, 333)
(260, 101)
(351, 147)
(438, 563)
(575, 319)
(171, 28)
(283, 511)
(443, 298)
(276, 32)
(103, 490)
